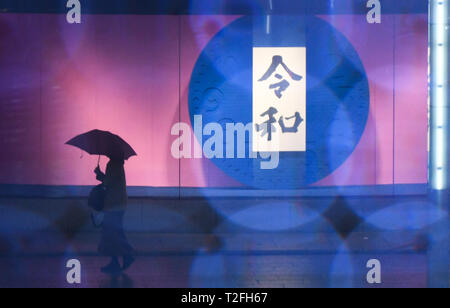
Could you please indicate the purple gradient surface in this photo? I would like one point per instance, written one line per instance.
(130, 75)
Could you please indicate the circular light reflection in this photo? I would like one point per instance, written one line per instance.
(274, 216)
(341, 272)
(414, 215)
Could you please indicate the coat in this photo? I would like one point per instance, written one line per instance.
(116, 186)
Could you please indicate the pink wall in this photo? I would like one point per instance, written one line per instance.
(130, 75)
(394, 146)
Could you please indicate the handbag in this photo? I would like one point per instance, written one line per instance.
(96, 199)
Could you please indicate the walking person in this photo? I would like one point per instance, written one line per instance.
(110, 197)
(114, 243)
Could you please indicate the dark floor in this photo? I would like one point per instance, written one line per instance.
(321, 242)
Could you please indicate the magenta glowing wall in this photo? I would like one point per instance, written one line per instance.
(130, 75)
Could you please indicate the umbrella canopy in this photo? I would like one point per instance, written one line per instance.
(99, 142)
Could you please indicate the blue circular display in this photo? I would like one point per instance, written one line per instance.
(337, 96)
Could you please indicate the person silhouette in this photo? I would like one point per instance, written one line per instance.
(114, 242)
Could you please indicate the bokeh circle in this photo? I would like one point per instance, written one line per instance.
(337, 96)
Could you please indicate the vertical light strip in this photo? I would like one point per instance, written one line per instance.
(439, 107)
(269, 18)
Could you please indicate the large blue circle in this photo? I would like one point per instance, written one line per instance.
(337, 96)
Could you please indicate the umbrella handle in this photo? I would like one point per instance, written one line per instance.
(98, 163)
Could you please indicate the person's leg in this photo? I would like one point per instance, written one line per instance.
(128, 260)
(108, 243)
(113, 267)
(126, 251)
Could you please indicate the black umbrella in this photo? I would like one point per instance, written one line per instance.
(99, 142)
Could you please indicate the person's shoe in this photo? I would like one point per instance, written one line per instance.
(127, 262)
(112, 268)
